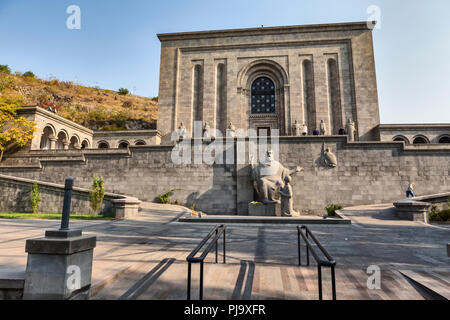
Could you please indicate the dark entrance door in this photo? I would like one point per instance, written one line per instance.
(263, 131)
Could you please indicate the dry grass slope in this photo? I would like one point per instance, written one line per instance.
(94, 108)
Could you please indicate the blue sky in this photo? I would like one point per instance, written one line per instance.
(117, 44)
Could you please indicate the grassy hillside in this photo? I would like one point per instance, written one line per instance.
(94, 108)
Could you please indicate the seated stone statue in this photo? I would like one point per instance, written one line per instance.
(287, 203)
(267, 176)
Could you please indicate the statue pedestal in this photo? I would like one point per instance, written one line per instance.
(262, 210)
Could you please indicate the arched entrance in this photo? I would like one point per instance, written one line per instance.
(263, 85)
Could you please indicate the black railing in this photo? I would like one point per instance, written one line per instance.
(218, 230)
(305, 233)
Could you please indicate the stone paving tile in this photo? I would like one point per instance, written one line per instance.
(267, 252)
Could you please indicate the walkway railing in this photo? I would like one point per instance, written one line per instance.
(305, 233)
(218, 231)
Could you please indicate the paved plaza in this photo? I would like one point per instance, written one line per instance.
(145, 257)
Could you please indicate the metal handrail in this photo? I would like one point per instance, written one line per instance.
(218, 230)
(330, 262)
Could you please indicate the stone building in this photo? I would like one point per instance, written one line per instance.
(260, 78)
(270, 77)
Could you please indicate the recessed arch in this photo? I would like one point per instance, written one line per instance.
(47, 133)
(63, 140)
(103, 145)
(264, 68)
(445, 138)
(123, 144)
(401, 138)
(140, 143)
(309, 111)
(261, 65)
(221, 98)
(197, 94)
(74, 142)
(420, 139)
(85, 144)
(334, 96)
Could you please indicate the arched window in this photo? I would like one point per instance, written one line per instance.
(123, 145)
(420, 140)
(85, 144)
(401, 139)
(263, 96)
(74, 143)
(63, 140)
(103, 145)
(444, 139)
(45, 139)
(140, 143)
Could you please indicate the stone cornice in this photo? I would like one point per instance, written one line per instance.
(54, 117)
(423, 126)
(127, 133)
(264, 31)
(344, 40)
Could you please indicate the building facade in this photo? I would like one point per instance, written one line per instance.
(269, 78)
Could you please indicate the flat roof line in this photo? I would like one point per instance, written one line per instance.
(296, 28)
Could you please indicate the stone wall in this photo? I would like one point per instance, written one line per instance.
(367, 173)
(130, 137)
(432, 133)
(15, 197)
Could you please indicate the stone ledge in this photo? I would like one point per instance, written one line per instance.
(269, 220)
(12, 279)
(411, 209)
(122, 206)
(59, 245)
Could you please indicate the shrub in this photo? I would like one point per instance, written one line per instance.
(435, 215)
(35, 197)
(97, 193)
(29, 74)
(155, 99)
(123, 91)
(4, 68)
(331, 209)
(165, 197)
(127, 104)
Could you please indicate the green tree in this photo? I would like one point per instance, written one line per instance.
(97, 193)
(4, 68)
(123, 91)
(35, 197)
(13, 129)
(29, 74)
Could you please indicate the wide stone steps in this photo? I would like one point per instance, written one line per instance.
(435, 280)
(166, 279)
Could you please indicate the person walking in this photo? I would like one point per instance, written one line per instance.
(410, 190)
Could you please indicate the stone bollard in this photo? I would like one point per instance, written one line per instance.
(59, 266)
